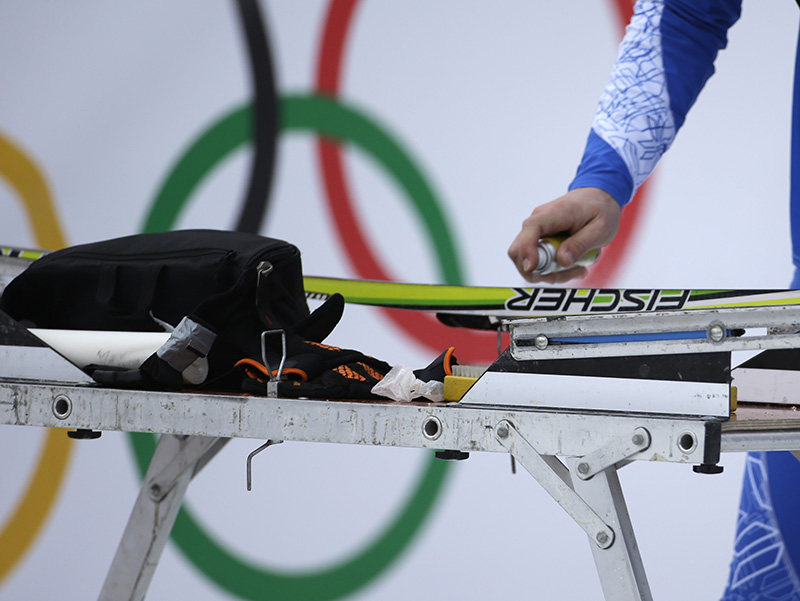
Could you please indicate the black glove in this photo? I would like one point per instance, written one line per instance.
(317, 370)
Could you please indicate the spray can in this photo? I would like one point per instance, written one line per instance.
(548, 247)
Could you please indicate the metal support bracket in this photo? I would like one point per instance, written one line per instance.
(615, 452)
(186, 459)
(556, 480)
(175, 462)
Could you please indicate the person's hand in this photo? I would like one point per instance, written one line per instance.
(589, 215)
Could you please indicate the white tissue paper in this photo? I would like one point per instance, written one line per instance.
(400, 384)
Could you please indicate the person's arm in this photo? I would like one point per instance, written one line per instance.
(665, 59)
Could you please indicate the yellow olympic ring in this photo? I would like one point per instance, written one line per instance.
(31, 512)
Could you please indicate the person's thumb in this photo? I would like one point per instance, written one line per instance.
(573, 248)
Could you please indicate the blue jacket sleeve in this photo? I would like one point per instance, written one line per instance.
(664, 60)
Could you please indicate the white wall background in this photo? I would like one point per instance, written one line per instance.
(494, 101)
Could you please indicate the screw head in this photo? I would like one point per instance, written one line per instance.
(716, 333)
(502, 432)
(602, 538)
(637, 440)
(541, 342)
(155, 490)
(583, 468)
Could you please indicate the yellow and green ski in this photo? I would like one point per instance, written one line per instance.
(509, 302)
(26, 254)
(537, 301)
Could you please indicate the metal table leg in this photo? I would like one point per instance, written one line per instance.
(591, 494)
(175, 462)
(620, 567)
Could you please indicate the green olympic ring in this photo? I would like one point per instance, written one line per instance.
(234, 574)
(327, 117)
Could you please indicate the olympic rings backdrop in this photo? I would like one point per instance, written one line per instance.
(403, 142)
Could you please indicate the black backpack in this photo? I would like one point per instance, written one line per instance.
(219, 290)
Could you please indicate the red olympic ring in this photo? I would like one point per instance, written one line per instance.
(424, 328)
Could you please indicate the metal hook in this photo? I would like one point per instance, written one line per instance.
(264, 269)
(264, 446)
(272, 385)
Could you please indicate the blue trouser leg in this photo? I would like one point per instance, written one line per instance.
(767, 531)
(766, 556)
(794, 166)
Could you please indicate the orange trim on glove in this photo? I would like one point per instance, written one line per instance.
(448, 357)
(251, 364)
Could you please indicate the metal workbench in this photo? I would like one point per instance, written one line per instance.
(592, 446)
(571, 414)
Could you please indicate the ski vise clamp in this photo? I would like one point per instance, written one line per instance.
(665, 332)
(664, 363)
